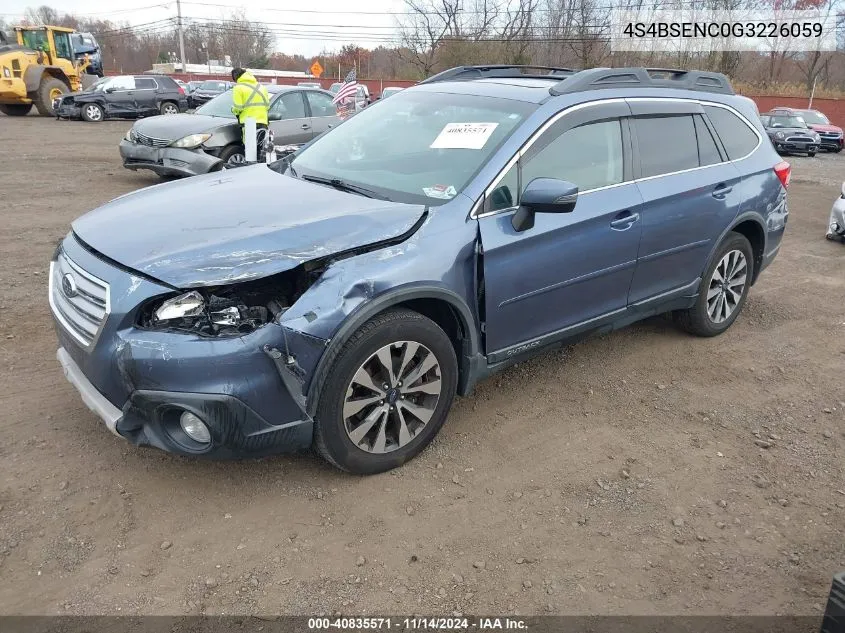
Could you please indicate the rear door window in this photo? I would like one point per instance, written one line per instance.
(708, 151)
(145, 83)
(666, 144)
(737, 137)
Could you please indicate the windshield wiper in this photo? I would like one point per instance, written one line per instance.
(340, 185)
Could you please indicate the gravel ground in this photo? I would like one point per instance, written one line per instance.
(642, 472)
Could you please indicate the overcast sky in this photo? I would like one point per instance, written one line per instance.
(335, 20)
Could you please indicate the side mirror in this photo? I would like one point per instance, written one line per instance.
(274, 116)
(110, 89)
(544, 195)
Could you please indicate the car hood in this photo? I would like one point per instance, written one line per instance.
(789, 130)
(236, 225)
(818, 127)
(175, 126)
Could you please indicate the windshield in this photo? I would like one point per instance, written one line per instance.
(221, 105)
(390, 91)
(213, 85)
(780, 120)
(416, 147)
(815, 118)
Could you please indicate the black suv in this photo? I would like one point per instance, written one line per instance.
(124, 97)
(206, 91)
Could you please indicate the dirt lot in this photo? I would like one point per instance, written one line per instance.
(622, 475)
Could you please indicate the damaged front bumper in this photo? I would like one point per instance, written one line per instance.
(167, 161)
(248, 390)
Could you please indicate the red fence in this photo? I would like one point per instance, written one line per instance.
(834, 109)
(375, 86)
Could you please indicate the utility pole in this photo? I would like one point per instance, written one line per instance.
(181, 35)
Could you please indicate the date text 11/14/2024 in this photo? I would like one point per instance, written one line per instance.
(413, 624)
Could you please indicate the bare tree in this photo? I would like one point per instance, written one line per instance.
(424, 30)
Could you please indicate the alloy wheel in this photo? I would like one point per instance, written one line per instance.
(236, 159)
(169, 108)
(94, 113)
(392, 397)
(727, 286)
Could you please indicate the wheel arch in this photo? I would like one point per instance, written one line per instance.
(443, 306)
(753, 227)
(35, 73)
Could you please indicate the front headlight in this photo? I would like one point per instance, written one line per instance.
(191, 141)
(6, 72)
(128, 136)
(190, 304)
(779, 134)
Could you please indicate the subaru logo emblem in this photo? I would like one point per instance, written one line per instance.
(69, 286)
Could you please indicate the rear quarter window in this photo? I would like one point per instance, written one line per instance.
(737, 137)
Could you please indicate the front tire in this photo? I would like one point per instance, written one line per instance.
(50, 88)
(233, 156)
(811, 154)
(16, 109)
(92, 113)
(387, 393)
(723, 290)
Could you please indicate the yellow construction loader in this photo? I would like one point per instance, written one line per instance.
(37, 69)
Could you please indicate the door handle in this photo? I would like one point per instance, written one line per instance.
(625, 222)
(721, 191)
(305, 126)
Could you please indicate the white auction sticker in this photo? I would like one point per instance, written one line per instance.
(464, 136)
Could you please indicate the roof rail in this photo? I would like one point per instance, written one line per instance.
(468, 73)
(599, 78)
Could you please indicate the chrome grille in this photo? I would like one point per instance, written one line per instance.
(79, 300)
(830, 135)
(150, 141)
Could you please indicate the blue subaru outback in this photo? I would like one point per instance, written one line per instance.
(341, 297)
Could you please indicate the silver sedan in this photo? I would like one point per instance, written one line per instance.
(210, 138)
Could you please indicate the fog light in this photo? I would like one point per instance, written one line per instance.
(194, 428)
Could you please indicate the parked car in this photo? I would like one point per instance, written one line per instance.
(390, 90)
(309, 84)
(831, 135)
(339, 298)
(362, 95)
(211, 138)
(192, 85)
(206, 91)
(125, 97)
(790, 134)
(86, 44)
(836, 223)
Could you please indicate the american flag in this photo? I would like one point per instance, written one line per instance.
(348, 89)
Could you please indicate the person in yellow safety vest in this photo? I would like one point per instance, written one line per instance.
(250, 99)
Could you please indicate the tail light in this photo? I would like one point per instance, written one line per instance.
(783, 171)
(181, 89)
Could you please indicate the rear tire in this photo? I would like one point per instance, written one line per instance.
(168, 107)
(16, 109)
(396, 422)
(49, 89)
(92, 113)
(720, 296)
